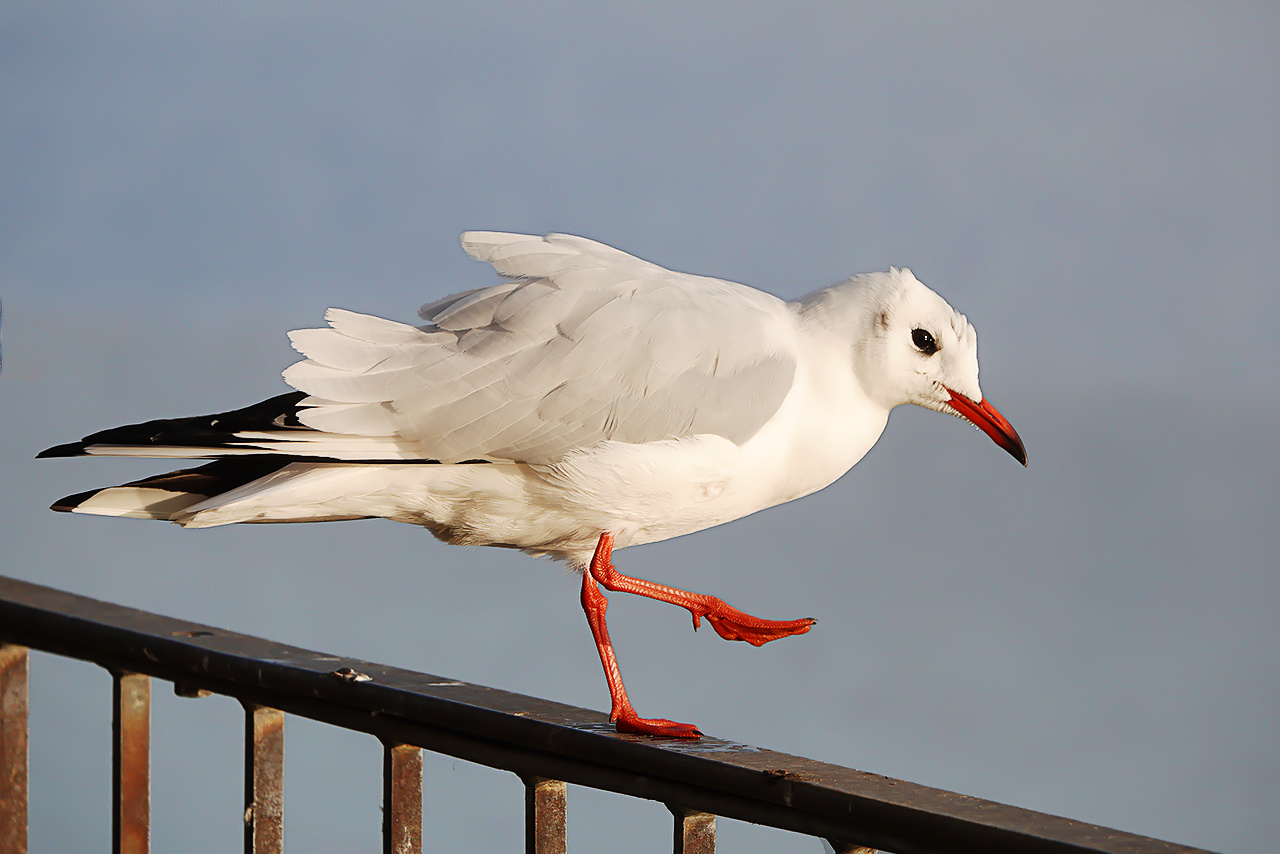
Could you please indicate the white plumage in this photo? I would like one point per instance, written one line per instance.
(603, 392)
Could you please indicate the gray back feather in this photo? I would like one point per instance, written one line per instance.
(587, 344)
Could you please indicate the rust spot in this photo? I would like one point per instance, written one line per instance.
(783, 774)
(350, 674)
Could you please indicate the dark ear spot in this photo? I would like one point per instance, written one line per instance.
(883, 320)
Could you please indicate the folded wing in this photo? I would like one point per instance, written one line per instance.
(585, 344)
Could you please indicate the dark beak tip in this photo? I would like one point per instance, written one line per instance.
(1016, 449)
(1014, 446)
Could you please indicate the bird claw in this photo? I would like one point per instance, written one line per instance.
(732, 624)
(759, 635)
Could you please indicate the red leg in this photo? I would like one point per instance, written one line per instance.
(729, 623)
(623, 715)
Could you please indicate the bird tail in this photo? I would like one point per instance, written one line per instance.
(255, 450)
(236, 489)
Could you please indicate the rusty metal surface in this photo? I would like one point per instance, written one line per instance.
(535, 737)
(545, 809)
(131, 763)
(401, 799)
(695, 832)
(13, 748)
(263, 780)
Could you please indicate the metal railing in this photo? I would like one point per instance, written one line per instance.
(547, 744)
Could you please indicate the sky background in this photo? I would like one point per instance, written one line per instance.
(1097, 188)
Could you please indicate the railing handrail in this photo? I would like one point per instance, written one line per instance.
(538, 738)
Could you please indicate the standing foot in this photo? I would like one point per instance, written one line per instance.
(655, 726)
(622, 714)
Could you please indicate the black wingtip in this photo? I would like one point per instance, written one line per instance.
(203, 431)
(71, 449)
(71, 502)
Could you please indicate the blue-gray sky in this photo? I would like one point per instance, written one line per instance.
(1097, 188)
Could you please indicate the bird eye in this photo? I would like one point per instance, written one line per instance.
(924, 341)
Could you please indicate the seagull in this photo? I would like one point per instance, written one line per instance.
(589, 402)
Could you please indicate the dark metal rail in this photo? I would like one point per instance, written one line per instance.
(546, 743)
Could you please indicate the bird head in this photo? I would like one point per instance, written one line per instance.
(915, 348)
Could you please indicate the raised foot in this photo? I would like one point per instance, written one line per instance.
(655, 726)
(732, 624)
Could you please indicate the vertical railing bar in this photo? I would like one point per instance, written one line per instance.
(131, 763)
(401, 799)
(263, 780)
(545, 807)
(14, 718)
(695, 832)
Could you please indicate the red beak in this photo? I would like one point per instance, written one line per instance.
(985, 418)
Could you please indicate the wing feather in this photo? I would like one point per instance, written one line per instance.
(586, 344)
(473, 311)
